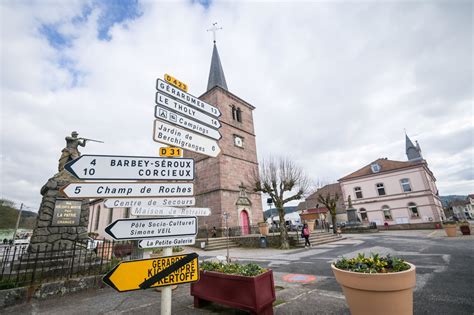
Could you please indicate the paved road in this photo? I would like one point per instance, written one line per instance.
(444, 279)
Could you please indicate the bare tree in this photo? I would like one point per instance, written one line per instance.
(283, 181)
(331, 204)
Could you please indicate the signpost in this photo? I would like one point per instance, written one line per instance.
(110, 167)
(143, 189)
(167, 242)
(133, 229)
(172, 104)
(149, 202)
(157, 272)
(150, 211)
(188, 99)
(168, 134)
(184, 122)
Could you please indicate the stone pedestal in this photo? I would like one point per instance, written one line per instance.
(352, 215)
(47, 235)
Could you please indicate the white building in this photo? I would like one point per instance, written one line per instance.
(399, 193)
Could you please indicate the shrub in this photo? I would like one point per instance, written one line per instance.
(249, 270)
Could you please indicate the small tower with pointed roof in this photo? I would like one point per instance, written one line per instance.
(223, 183)
(413, 152)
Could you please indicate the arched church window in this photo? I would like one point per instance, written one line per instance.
(239, 115)
(234, 113)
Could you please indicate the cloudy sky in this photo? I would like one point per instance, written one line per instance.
(334, 83)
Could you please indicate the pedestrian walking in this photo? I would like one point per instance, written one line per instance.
(305, 234)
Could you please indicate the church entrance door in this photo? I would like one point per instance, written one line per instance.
(244, 222)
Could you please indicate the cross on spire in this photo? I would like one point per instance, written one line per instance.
(214, 29)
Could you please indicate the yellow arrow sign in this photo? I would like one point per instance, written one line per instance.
(163, 271)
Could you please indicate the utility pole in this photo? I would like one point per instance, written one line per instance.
(226, 216)
(17, 222)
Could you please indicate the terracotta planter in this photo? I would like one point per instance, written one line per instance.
(252, 294)
(465, 230)
(450, 230)
(263, 228)
(378, 293)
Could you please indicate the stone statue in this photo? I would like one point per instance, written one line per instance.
(349, 201)
(70, 152)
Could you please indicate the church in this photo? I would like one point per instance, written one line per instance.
(223, 183)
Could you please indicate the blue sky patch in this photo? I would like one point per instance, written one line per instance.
(54, 37)
(115, 12)
(204, 3)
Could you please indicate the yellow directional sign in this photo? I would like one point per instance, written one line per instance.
(171, 152)
(155, 272)
(176, 82)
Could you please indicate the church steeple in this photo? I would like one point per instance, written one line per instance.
(216, 73)
(413, 152)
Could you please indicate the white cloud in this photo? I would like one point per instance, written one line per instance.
(334, 83)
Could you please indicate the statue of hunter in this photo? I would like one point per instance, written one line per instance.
(70, 152)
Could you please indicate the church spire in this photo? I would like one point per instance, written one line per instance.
(216, 73)
(413, 152)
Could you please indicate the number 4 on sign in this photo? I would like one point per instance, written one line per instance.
(171, 152)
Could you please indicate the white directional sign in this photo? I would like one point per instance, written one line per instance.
(184, 122)
(172, 104)
(106, 167)
(143, 189)
(200, 212)
(150, 202)
(168, 242)
(175, 136)
(162, 86)
(131, 229)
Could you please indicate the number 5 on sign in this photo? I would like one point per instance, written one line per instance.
(173, 152)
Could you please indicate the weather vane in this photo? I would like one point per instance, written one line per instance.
(214, 29)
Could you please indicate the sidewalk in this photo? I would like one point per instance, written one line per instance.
(291, 298)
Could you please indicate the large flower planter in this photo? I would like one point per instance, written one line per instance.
(450, 230)
(378, 293)
(253, 294)
(465, 230)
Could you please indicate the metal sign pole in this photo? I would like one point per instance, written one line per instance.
(166, 292)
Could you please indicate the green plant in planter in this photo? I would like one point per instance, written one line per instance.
(449, 222)
(373, 264)
(464, 223)
(249, 270)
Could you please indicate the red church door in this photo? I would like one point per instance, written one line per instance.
(244, 222)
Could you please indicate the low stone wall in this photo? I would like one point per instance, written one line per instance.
(413, 226)
(253, 240)
(43, 291)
